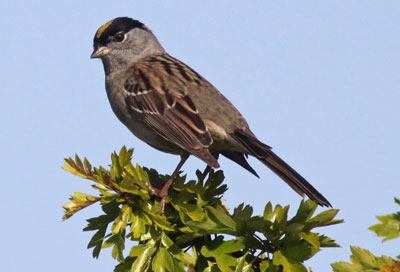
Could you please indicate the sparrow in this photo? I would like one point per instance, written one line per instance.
(171, 107)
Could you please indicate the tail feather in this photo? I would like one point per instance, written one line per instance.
(239, 158)
(299, 184)
(264, 153)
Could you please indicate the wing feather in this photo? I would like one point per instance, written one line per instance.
(156, 89)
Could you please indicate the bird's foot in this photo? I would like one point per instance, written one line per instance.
(163, 193)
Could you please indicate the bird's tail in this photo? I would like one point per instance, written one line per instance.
(264, 153)
(299, 184)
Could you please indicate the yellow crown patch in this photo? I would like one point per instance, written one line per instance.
(102, 29)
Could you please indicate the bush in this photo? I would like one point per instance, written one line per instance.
(197, 232)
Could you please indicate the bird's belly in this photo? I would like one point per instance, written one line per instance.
(153, 139)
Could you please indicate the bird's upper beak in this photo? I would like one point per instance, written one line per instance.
(100, 52)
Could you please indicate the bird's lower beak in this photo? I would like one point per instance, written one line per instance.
(100, 52)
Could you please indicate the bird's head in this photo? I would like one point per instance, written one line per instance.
(123, 41)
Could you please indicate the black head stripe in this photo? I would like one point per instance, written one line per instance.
(111, 28)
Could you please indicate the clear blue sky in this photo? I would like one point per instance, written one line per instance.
(317, 80)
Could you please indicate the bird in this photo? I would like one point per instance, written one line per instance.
(171, 107)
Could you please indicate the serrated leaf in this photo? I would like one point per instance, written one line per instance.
(241, 262)
(137, 250)
(70, 166)
(311, 238)
(389, 228)
(137, 225)
(97, 241)
(122, 220)
(363, 257)
(280, 259)
(324, 217)
(193, 211)
(364, 260)
(145, 258)
(78, 202)
(118, 243)
(161, 221)
(220, 251)
(242, 212)
(162, 261)
(264, 265)
(298, 252)
(123, 159)
(125, 266)
(346, 267)
(220, 215)
(268, 215)
(175, 251)
(304, 212)
(295, 228)
(325, 241)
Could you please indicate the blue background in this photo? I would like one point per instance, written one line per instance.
(317, 80)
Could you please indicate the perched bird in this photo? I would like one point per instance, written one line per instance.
(171, 107)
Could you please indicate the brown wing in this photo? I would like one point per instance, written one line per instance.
(155, 90)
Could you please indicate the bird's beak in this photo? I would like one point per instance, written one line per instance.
(100, 52)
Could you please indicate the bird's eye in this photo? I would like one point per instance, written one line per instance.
(119, 37)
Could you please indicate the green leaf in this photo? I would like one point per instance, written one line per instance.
(242, 212)
(125, 266)
(193, 211)
(97, 241)
(98, 222)
(174, 250)
(137, 250)
(280, 259)
(298, 252)
(311, 238)
(162, 261)
(121, 221)
(161, 221)
(389, 228)
(268, 215)
(363, 257)
(143, 260)
(265, 265)
(127, 185)
(118, 243)
(325, 241)
(241, 262)
(325, 218)
(304, 212)
(78, 202)
(295, 228)
(221, 216)
(124, 157)
(87, 165)
(346, 267)
(138, 225)
(363, 260)
(278, 215)
(220, 251)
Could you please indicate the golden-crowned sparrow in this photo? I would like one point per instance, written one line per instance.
(171, 107)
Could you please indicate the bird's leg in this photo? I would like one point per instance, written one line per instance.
(163, 193)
